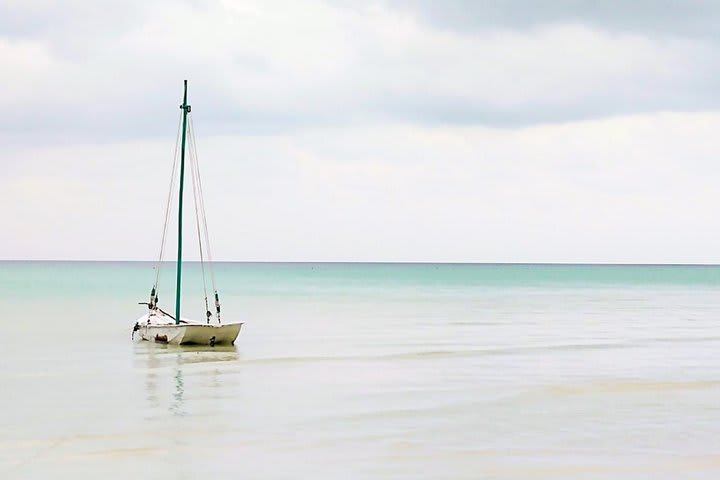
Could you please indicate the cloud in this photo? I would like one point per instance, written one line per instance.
(693, 19)
(260, 67)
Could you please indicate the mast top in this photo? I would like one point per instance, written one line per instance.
(185, 106)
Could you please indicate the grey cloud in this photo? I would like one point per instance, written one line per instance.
(134, 92)
(453, 111)
(691, 18)
(42, 19)
(153, 113)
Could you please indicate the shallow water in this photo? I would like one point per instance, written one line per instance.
(366, 371)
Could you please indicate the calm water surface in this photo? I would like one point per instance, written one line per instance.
(365, 371)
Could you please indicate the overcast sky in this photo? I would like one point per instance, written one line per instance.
(398, 130)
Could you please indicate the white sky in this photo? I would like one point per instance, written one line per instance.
(341, 131)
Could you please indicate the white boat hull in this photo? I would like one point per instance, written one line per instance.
(186, 332)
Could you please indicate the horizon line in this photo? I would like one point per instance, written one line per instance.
(373, 262)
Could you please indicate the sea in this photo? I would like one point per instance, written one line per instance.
(364, 371)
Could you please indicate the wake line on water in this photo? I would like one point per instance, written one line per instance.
(427, 354)
(493, 351)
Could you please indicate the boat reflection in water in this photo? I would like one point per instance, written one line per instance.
(171, 370)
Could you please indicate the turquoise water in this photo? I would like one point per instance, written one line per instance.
(365, 371)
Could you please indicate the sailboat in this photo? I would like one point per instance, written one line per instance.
(157, 325)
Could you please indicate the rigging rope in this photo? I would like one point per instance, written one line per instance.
(200, 219)
(156, 286)
(204, 219)
(193, 170)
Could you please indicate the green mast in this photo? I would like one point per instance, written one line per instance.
(185, 108)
